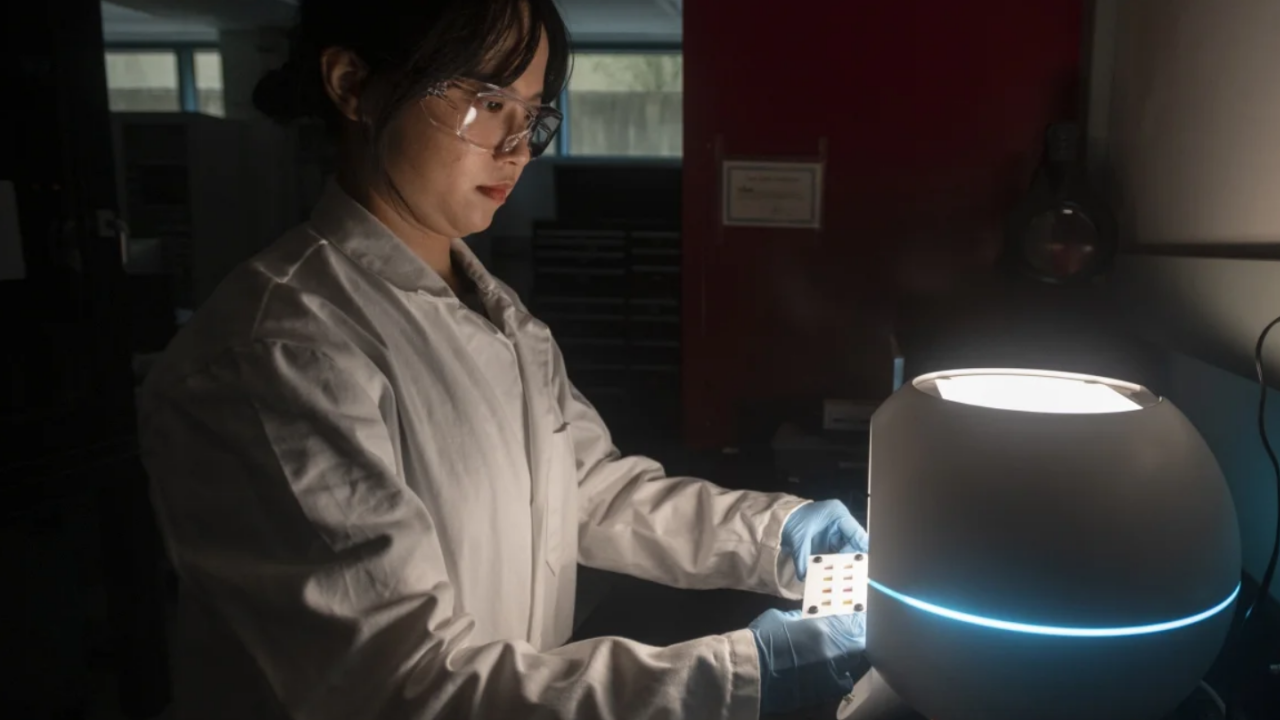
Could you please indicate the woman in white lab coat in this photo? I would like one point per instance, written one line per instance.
(373, 476)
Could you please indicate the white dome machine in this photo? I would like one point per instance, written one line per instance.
(1044, 545)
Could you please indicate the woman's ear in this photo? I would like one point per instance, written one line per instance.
(344, 77)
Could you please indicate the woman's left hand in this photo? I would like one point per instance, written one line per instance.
(820, 528)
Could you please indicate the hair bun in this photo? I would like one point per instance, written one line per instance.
(280, 96)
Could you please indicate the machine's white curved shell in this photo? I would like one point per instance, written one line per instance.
(1077, 521)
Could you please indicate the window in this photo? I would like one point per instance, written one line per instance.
(143, 81)
(208, 78)
(625, 104)
(180, 79)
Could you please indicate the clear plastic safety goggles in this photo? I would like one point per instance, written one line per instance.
(491, 119)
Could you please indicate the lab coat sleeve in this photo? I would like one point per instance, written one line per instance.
(276, 482)
(678, 531)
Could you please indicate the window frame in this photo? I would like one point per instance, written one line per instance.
(189, 99)
(188, 93)
(562, 138)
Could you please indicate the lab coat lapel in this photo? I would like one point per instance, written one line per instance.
(546, 437)
(544, 424)
(533, 347)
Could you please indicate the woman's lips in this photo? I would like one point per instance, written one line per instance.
(496, 193)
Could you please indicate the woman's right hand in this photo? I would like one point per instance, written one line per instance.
(806, 661)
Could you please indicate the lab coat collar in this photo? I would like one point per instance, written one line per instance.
(348, 226)
(505, 311)
(474, 269)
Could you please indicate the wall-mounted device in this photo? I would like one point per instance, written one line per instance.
(1062, 231)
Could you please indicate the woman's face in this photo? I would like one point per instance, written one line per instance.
(452, 187)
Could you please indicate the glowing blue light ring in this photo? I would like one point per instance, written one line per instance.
(1051, 630)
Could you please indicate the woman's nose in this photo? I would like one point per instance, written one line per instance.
(516, 149)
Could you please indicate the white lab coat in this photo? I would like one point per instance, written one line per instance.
(377, 500)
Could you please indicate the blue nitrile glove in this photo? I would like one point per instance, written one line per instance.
(821, 528)
(806, 661)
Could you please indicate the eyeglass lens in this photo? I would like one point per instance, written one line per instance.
(493, 121)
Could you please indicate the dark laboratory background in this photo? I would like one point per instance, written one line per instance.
(134, 174)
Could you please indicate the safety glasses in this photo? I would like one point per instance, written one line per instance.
(491, 119)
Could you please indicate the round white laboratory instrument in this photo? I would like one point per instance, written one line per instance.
(1044, 545)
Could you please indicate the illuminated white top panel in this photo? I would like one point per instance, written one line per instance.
(1038, 391)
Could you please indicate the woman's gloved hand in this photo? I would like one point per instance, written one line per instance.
(821, 528)
(806, 661)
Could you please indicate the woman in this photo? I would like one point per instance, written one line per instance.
(373, 476)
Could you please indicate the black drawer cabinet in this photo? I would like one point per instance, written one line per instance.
(611, 294)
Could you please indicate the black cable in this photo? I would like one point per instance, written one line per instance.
(1264, 588)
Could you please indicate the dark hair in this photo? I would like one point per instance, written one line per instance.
(410, 46)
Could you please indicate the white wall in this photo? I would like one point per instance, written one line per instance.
(1183, 126)
(1194, 115)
